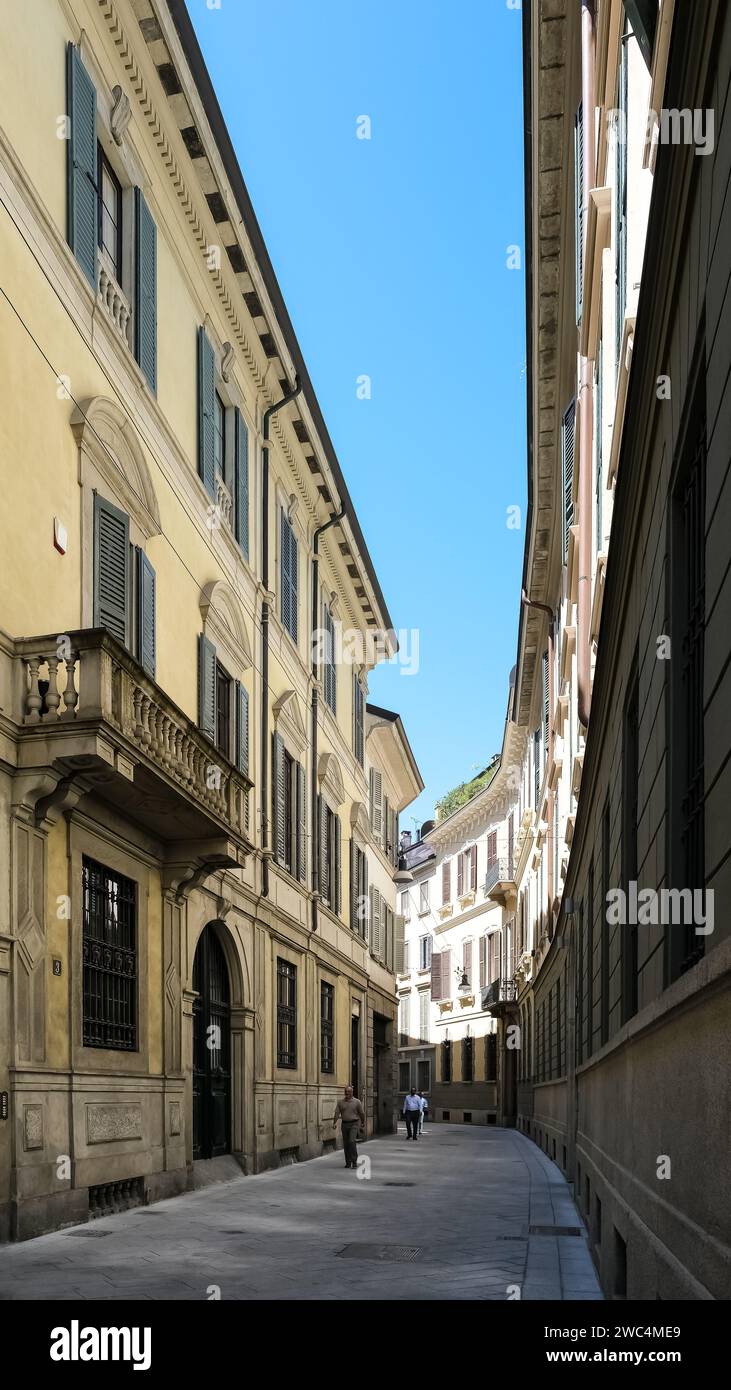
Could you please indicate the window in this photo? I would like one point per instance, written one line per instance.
(604, 940)
(219, 437)
(407, 966)
(329, 669)
(404, 1076)
(590, 961)
(405, 907)
(110, 958)
(327, 1027)
(630, 781)
(491, 1057)
(423, 1076)
(598, 460)
(223, 711)
(536, 766)
(423, 1015)
(404, 1010)
(286, 1014)
(620, 188)
(467, 1060)
(289, 811)
(446, 1061)
(358, 890)
(358, 712)
(376, 803)
(329, 857)
(578, 206)
(425, 950)
(568, 427)
(124, 585)
(288, 577)
(110, 214)
(423, 897)
(467, 871)
(446, 883)
(491, 848)
(441, 975)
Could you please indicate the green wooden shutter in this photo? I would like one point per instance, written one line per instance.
(146, 635)
(241, 482)
(642, 15)
(206, 391)
(242, 728)
(145, 290)
(293, 584)
(280, 828)
(546, 712)
(82, 173)
(336, 871)
(578, 206)
(207, 686)
(111, 569)
(567, 471)
(354, 871)
(324, 851)
(301, 824)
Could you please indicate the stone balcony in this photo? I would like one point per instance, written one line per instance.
(500, 886)
(90, 720)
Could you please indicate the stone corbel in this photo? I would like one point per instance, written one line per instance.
(223, 907)
(120, 116)
(44, 795)
(197, 861)
(227, 358)
(292, 506)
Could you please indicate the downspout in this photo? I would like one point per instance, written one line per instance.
(264, 764)
(544, 608)
(586, 402)
(337, 516)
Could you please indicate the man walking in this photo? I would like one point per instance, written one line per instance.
(424, 1111)
(412, 1114)
(350, 1111)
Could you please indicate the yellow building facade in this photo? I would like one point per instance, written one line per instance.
(199, 807)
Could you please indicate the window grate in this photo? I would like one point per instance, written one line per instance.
(286, 1014)
(110, 958)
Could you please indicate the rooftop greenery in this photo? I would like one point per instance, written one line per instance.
(459, 796)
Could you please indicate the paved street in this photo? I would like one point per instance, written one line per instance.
(446, 1218)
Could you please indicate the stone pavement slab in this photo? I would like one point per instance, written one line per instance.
(447, 1218)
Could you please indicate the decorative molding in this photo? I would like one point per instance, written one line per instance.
(105, 434)
(331, 777)
(289, 723)
(221, 611)
(359, 820)
(120, 114)
(32, 1127)
(227, 361)
(106, 1124)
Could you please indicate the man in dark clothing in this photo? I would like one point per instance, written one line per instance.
(412, 1114)
(350, 1111)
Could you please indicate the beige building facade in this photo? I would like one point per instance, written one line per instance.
(199, 809)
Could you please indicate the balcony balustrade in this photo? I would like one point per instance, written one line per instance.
(499, 992)
(500, 880)
(91, 716)
(113, 299)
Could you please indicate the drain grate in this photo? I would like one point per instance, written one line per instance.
(512, 1237)
(389, 1254)
(398, 1184)
(554, 1230)
(89, 1235)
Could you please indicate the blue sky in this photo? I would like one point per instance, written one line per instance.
(392, 256)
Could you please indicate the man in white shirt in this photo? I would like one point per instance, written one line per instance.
(412, 1114)
(423, 1113)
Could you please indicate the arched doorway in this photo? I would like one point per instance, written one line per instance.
(211, 1049)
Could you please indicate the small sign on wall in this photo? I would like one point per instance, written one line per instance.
(4, 1106)
(56, 966)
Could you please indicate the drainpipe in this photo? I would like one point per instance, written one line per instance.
(586, 403)
(544, 608)
(337, 516)
(264, 765)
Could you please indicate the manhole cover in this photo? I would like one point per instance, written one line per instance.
(90, 1235)
(393, 1254)
(554, 1230)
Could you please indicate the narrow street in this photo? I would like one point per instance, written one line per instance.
(450, 1217)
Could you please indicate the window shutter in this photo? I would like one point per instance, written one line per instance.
(145, 613)
(324, 854)
(336, 903)
(111, 569)
(436, 975)
(473, 869)
(578, 201)
(491, 848)
(399, 946)
(460, 875)
(145, 290)
(207, 686)
(446, 884)
(242, 728)
(301, 824)
(284, 562)
(353, 885)
(446, 974)
(395, 838)
(279, 828)
(389, 937)
(483, 962)
(376, 806)
(81, 155)
(364, 926)
(467, 959)
(241, 481)
(206, 391)
(292, 584)
(378, 924)
(567, 472)
(371, 916)
(544, 673)
(358, 702)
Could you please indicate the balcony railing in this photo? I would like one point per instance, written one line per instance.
(499, 992)
(500, 878)
(88, 708)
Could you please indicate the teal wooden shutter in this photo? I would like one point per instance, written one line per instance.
(324, 856)
(146, 636)
(567, 471)
(285, 556)
(111, 569)
(241, 482)
(83, 200)
(292, 584)
(354, 869)
(578, 206)
(301, 824)
(336, 874)
(280, 827)
(207, 686)
(206, 391)
(145, 290)
(242, 728)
